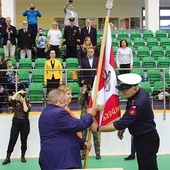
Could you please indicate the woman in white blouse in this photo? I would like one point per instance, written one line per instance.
(54, 38)
(124, 57)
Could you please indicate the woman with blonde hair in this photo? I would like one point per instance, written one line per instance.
(54, 38)
(68, 96)
(86, 44)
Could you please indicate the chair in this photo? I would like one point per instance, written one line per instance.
(148, 62)
(35, 91)
(38, 76)
(159, 85)
(45, 32)
(167, 76)
(99, 33)
(148, 34)
(115, 42)
(137, 42)
(153, 75)
(39, 63)
(25, 63)
(122, 34)
(164, 42)
(146, 86)
(157, 52)
(136, 62)
(143, 52)
(72, 63)
(151, 42)
(1, 51)
(115, 50)
(167, 52)
(24, 76)
(135, 34)
(160, 34)
(72, 76)
(133, 51)
(113, 34)
(163, 62)
(75, 89)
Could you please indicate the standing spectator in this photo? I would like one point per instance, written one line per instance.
(86, 44)
(32, 13)
(9, 35)
(54, 38)
(70, 13)
(83, 100)
(89, 31)
(89, 62)
(60, 145)
(41, 42)
(26, 41)
(52, 76)
(124, 57)
(139, 119)
(71, 39)
(20, 125)
(2, 23)
(10, 71)
(3, 81)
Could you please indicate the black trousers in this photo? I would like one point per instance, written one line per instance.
(124, 66)
(71, 52)
(56, 49)
(52, 84)
(22, 127)
(146, 148)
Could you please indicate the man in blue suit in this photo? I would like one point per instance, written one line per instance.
(89, 62)
(60, 145)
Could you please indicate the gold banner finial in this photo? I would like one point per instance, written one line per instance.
(109, 4)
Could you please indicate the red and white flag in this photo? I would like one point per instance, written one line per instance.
(107, 97)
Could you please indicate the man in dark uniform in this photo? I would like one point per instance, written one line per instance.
(139, 119)
(71, 39)
(20, 125)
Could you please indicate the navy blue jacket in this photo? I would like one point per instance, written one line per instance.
(60, 145)
(138, 117)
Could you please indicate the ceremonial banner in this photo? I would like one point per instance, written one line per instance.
(107, 97)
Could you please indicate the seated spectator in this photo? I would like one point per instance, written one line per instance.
(10, 71)
(41, 41)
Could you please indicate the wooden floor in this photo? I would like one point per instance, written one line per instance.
(105, 162)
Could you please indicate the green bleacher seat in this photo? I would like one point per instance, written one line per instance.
(129, 41)
(135, 34)
(143, 52)
(115, 42)
(133, 51)
(39, 63)
(148, 34)
(146, 86)
(151, 42)
(153, 75)
(2, 52)
(157, 52)
(138, 42)
(159, 85)
(72, 63)
(45, 32)
(38, 76)
(113, 34)
(75, 89)
(136, 62)
(35, 91)
(167, 76)
(148, 62)
(164, 42)
(99, 33)
(25, 63)
(163, 62)
(169, 34)
(115, 48)
(123, 34)
(24, 76)
(167, 52)
(160, 34)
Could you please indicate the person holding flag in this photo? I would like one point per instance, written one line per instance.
(139, 119)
